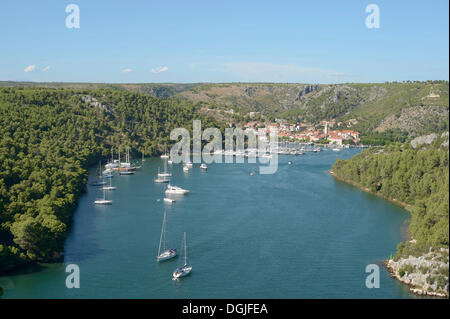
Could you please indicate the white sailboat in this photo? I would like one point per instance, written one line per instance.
(165, 173)
(165, 153)
(113, 164)
(103, 201)
(110, 187)
(186, 268)
(161, 179)
(127, 163)
(163, 253)
(100, 181)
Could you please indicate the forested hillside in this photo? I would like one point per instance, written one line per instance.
(413, 107)
(49, 137)
(418, 177)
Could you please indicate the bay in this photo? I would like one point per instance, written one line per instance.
(298, 233)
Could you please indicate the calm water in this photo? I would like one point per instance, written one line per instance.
(296, 234)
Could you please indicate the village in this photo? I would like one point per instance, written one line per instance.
(326, 132)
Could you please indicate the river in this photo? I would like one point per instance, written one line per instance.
(298, 233)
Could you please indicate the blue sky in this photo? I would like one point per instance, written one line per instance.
(224, 41)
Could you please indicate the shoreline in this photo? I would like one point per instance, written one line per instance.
(412, 288)
(365, 189)
(387, 263)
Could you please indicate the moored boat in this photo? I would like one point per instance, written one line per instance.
(186, 269)
(176, 190)
(163, 252)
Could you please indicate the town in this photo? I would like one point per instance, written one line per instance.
(304, 132)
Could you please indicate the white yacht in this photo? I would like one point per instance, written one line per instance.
(185, 168)
(189, 164)
(163, 252)
(203, 166)
(176, 190)
(186, 268)
(103, 201)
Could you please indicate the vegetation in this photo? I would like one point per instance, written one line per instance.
(419, 178)
(384, 138)
(49, 137)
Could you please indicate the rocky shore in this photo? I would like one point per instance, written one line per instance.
(426, 275)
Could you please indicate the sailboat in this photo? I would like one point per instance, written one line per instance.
(143, 156)
(185, 269)
(99, 182)
(126, 171)
(165, 173)
(127, 165)
(113, 164)
(163, 253)
(110, 187)
(103, 201)
(165, 152)
(161, 179)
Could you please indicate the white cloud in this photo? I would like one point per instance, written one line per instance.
(46, 68)
(127, 70)
(29, 68)
(270, 72)
(160, 69)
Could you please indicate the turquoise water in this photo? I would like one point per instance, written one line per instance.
(298, 233)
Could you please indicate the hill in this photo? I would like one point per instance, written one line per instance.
(48, 139)
(416, 108)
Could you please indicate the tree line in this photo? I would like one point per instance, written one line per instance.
(417, 177)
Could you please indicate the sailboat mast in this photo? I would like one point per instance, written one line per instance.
(185, 252)
(162, 234)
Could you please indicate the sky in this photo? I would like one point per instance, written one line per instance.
(321, 41)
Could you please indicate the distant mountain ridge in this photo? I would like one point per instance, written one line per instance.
(415, 107)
